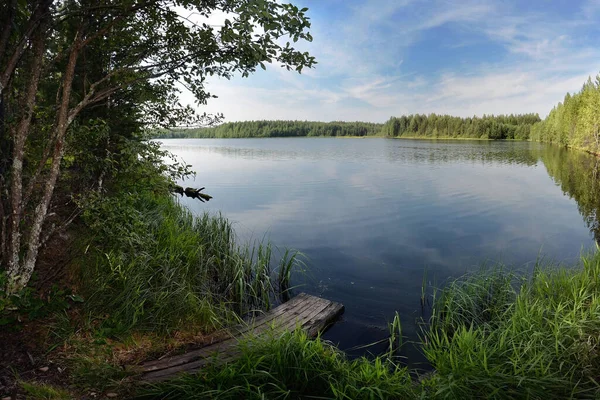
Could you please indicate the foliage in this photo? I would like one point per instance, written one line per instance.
(28, 304)
(575, 122)
(81, 80)
(275, 129)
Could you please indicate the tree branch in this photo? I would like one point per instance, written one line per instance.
(7, 22)
(33, 23)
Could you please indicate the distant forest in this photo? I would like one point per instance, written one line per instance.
(573, 123)
(417, 125)
(250, 129)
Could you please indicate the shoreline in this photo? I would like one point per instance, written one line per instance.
(354, 137)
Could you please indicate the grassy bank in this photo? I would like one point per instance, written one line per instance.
(291, 366)
(492, 335)
(511, 337)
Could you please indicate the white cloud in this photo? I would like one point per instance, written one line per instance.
(457, 12)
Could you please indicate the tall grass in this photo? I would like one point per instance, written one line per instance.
(157, 267)
(496, 336)
(479, 299)
(395, 340)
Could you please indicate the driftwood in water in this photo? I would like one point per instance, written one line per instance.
(191, 192)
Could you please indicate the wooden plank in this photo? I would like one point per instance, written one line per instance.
(281, 316)
(244, 328)
(229, 349)
(302, 313)
(208, 350)
(163, 374)
(310, 313)
(324, 319)
(300, 319)
(274, 313)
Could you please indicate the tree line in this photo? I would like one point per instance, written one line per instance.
(575, 122)
(447, 126)
(265, 129)
(417, 125)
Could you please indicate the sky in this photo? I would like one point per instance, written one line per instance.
(383, 58)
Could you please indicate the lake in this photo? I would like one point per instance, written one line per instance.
(377, 217)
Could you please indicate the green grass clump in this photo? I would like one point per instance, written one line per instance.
(479, 299)
(42, 391)
(539, 340)
(291, 366)
(155, 266)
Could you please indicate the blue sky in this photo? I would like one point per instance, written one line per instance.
(378, 58)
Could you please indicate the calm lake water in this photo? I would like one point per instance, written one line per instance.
(374, 216)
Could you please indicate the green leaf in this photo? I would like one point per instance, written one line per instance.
(76, 298)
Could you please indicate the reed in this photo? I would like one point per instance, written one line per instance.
(395, 339)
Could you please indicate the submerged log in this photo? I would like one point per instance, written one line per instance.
(195, 194)
(191, 192)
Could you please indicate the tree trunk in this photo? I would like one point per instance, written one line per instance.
(19, 135)
(4, 165)
(21, 277)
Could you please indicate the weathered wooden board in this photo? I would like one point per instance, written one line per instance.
(310, 313)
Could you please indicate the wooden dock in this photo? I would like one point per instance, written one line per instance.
(312, 314)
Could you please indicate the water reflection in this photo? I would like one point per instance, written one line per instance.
(577, 173)
(372, 214)
(396, 150)
(482, 152)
